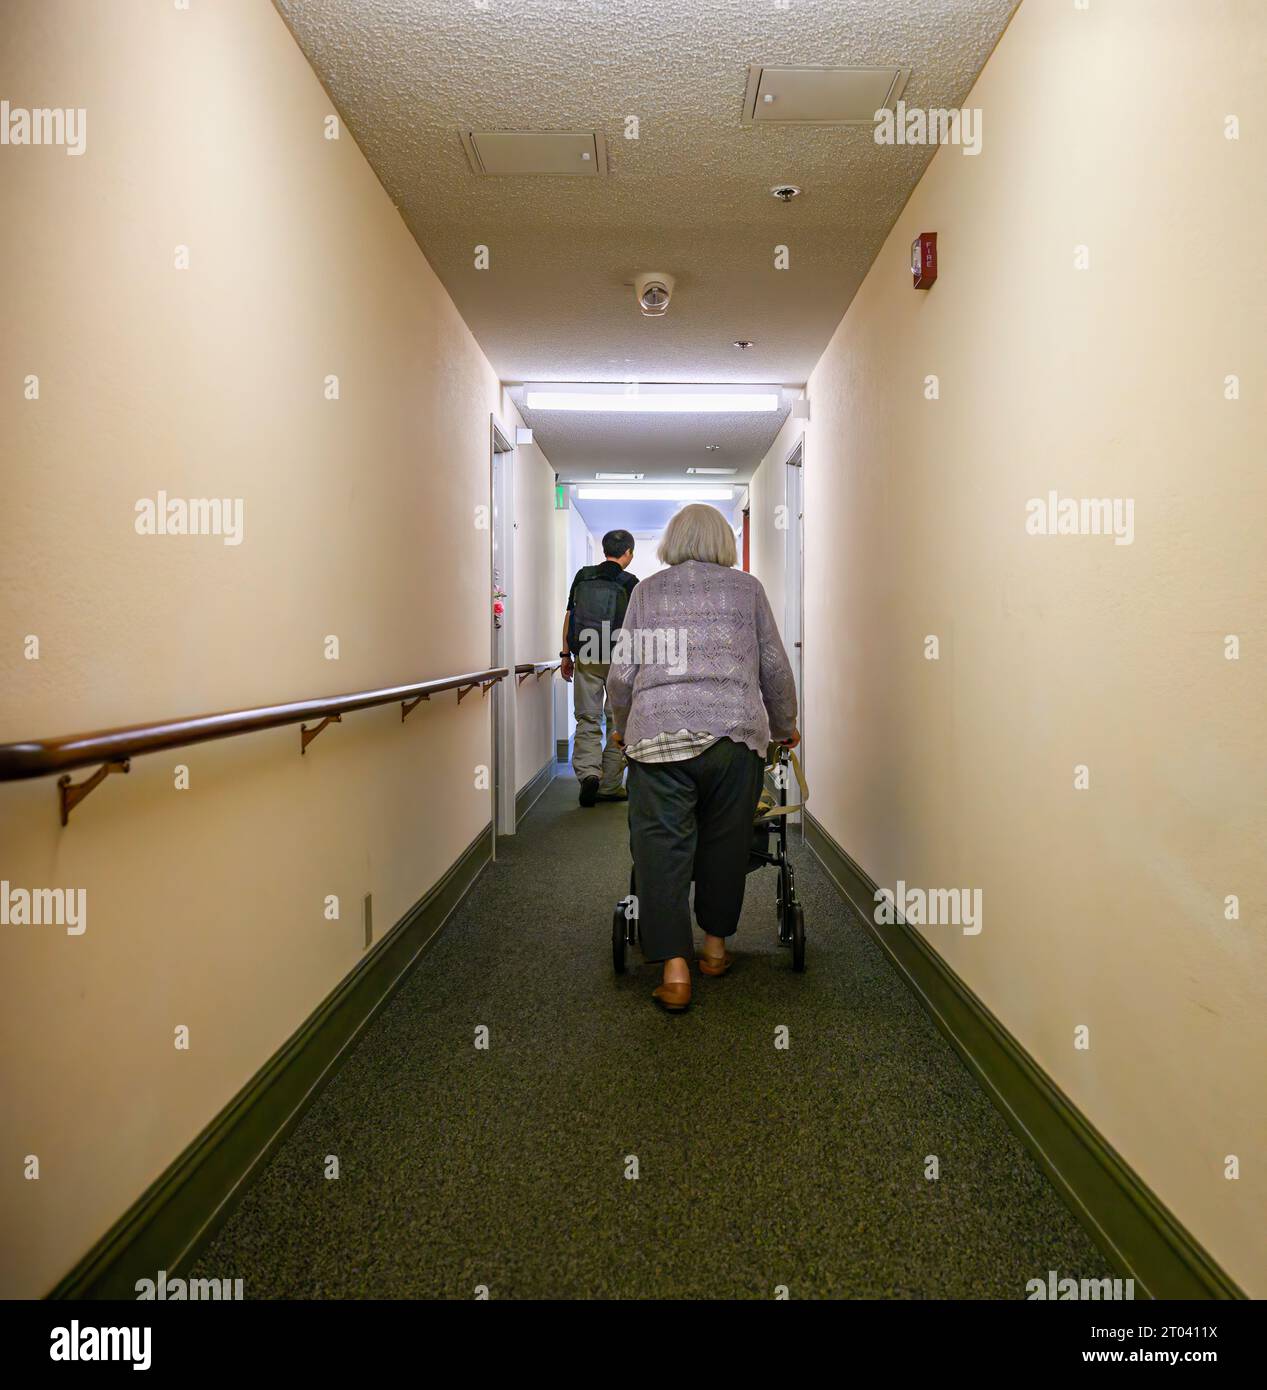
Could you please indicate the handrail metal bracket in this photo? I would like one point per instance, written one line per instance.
(523, 676)
(70, 794)
(307, 735)
(484, 686)
(545, 669)
(408, 706)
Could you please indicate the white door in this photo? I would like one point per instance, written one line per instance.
(502, 646)
(794, 581)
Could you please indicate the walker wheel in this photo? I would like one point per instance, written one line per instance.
(618, 939)
(798, 936)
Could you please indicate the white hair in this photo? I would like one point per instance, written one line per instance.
(698, 532)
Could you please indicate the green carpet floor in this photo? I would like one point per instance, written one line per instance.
(757, 1168)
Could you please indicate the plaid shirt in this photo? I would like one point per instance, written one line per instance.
(670, 748)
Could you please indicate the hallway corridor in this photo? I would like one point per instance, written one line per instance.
(505, 1168)
(447, 449)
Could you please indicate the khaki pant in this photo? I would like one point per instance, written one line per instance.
(590, 757)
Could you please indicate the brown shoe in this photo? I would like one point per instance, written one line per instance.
(715, 965)
(673, 997)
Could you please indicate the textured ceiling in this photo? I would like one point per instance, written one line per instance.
(690, 196)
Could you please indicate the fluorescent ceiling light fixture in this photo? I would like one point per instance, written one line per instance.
(646, 398)
(712, 470)
(681, 492)
(620, 477)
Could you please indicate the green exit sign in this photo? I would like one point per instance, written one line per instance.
(560, 497)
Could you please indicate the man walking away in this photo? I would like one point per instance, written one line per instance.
(596, 609)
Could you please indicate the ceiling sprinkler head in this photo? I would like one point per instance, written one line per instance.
(785, 192)
(654, 289)
(743, 344)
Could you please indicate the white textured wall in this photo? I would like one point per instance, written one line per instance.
(205, 907)
(646, 562)
(1103, 907)
(535, 600)
(768, 519)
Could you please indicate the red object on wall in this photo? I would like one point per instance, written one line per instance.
(924, 259)
(746, 564)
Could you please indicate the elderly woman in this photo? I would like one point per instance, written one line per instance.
(699, 684)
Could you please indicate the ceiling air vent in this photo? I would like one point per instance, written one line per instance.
(576, 153)
(820, 96)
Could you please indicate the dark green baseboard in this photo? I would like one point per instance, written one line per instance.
(532, 791)
(1137, 1234)
(182, 1210)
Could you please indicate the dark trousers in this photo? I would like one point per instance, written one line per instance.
(692, 821)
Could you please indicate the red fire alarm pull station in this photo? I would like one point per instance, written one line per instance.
(924, 259)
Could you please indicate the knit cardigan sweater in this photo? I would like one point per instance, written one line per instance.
(699, 650)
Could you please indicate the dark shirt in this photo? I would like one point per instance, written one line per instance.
(609, 569)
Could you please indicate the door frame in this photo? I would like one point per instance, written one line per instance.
(794, 577)
(501, 573)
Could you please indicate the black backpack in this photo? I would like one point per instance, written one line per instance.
(598, 609)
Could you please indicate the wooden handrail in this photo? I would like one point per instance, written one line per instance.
(535, 668)
(113, 748)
